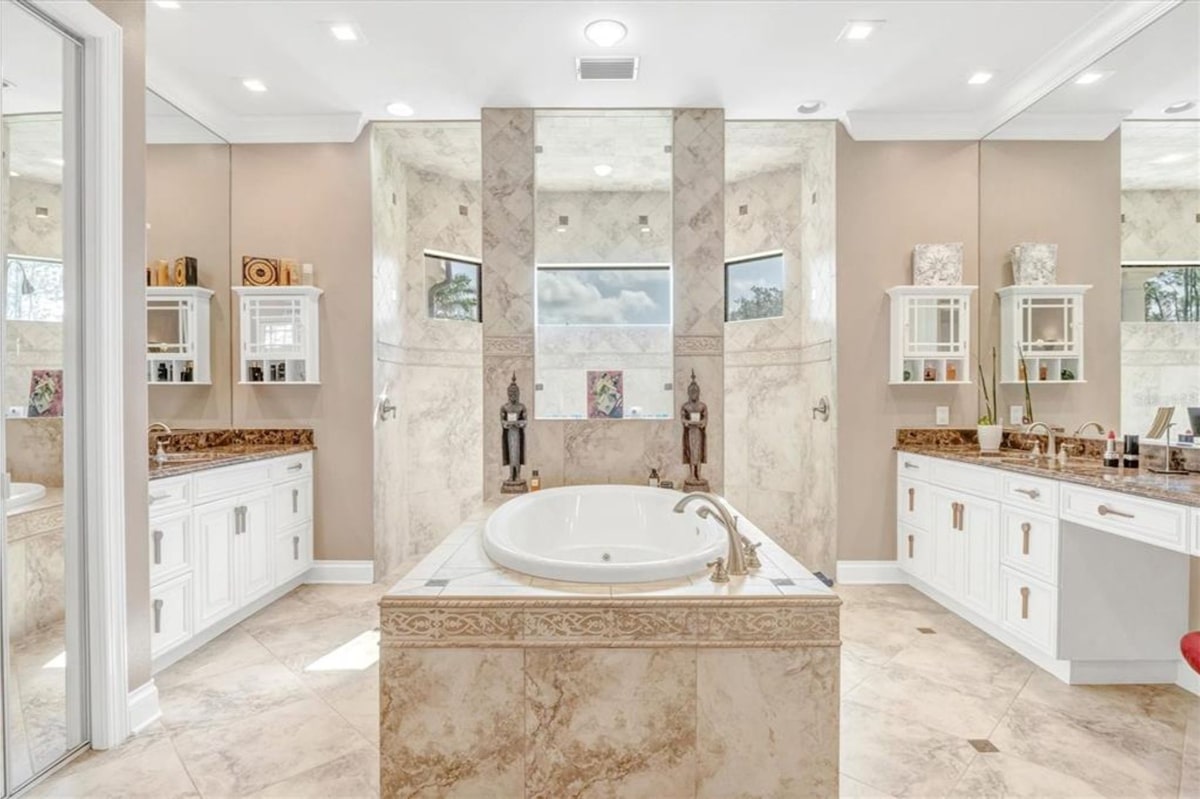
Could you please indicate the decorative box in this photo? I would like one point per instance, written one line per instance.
(1035, 264)
(186, 273)
(260, 271)
(938, 264)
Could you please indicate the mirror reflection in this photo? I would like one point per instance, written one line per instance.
(603, 265)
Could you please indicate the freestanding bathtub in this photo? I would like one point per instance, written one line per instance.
(602, 534)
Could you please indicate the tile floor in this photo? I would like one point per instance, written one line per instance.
(284, 705)
(37, 701)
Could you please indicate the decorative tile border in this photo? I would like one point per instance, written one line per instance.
(699, 345)
(408, 622)
(508, 345)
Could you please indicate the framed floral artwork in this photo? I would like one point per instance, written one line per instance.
(606, 394)
(46, 392)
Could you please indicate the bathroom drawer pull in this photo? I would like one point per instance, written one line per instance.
(239, 520)
(158, 606)
(295, 547)
(158, 498)
(911, 465)
(1104, 510)
(295, 500)
(1025, 528)
(295, 467)
(912, 497)
(1024, 602)
(158, 537)
(1032, 493)
(910, 545)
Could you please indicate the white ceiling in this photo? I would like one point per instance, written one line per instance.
(757, 60)
(1160, 155)
(35, 147)
(33, 63)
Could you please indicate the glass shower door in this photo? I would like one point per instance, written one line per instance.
(42, 636)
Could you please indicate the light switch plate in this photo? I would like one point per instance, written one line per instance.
(1016, 414)
(943, 414)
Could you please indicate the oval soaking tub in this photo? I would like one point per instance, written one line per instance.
(602, 534)
(22, 494)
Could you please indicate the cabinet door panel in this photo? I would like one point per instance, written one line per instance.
(945, 565)
(255, 548)
(216, 586)
(981, 562)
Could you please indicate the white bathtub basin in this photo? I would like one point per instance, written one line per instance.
(602, 534)
(22, 494)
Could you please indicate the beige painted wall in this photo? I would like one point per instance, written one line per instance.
(313, 202)
(187, 208)
(131, 17)
(1069, 193)
(890, 196)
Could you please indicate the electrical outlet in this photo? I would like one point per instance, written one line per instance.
(943, 414)
(1016, 414)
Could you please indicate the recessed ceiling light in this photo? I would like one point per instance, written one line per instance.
(399, 109)
(1180, 107)
(810, 106)
(254, 85)
(1170, 158)
(605, 32)
(1088, 78)
(858, 29)
(345, 31)
(603, 170)
(979, 78)
(170, 5)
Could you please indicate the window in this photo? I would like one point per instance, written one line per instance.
(33, 289)
(452, 287)
(754, 287)
(1173, 295)
(635, 294)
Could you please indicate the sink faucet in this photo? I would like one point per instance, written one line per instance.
(712, 503)
(1051, 449)
(158, 427)
(1099, 428)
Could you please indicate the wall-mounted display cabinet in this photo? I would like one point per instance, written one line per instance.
(931, 335)
(280, 335)
(178, 339)
(1043, 327)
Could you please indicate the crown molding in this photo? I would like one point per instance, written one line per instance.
(1061, 127)
(886, 126)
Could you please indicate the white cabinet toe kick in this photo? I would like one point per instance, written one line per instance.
(224, 542)
(1091, 585)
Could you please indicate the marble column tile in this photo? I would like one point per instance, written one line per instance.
(610, 722)
(454, 722)
(508, 221)
(698, 156)
(755, 734)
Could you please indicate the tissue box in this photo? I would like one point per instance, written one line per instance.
(1035, 264)
(938, 264)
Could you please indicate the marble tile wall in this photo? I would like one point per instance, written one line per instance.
(35, 450)
(34, 570)
(603, 227)
(1160, 226)
(781, 463)
(28, 233)
(29, 346)
(1160, 365)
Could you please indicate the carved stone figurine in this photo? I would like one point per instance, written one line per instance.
(512, 439)
(694, 414)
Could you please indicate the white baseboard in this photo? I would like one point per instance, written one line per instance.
(1188, 679)
(870, 572)
(143, 707)
(341, 571)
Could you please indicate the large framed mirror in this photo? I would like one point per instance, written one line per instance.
(603, 244)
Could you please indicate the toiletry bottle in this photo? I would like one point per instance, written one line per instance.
(1130, 459)
(1111, 459)
(653, 481)
(535, 482)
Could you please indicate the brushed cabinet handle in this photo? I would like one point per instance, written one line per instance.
(295, 547)
(1024, 602)
(158, 498)
(1032, 493)
(158, 537)
(1104, 510)
(1025, 528)
(295, 467)
(912, 495)
(953, 515)
(295, 500)
(910, 545)
(158, 606)
(910, 465)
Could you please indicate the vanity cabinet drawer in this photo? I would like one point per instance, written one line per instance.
(293, 503)
(293, 553)
(231, 480)
(1196, 532)
(169, 494)
(170, 614)
(291, 467)
(1159, 523)
(1029, 543)
(1033, 493)
(912, 467)
(978, 480)
(170, 547)
(912, 503)
(913, 550)
(1029, 609)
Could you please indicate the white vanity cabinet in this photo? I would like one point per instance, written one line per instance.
(223, 541)
(1090, 584)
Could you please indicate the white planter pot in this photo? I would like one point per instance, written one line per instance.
(990, 436)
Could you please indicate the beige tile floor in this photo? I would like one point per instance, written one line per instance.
(37, 701)
(267, 710)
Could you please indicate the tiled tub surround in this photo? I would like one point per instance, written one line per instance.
(34, 567)
(497, 684)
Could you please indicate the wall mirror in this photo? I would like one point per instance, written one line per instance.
(603, 239)
(189, 347)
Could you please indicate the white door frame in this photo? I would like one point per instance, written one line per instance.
(103, 495)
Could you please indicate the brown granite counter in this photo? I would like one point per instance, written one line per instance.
(196, 450)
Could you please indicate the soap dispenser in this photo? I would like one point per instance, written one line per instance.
(653, 481)
(535, 481)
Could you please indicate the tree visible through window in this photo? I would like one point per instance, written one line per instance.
(453, 287)
(33, 289)
(754, 288)
(1173, 295)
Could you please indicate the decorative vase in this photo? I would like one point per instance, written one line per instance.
(990, 436)
(1035, 264)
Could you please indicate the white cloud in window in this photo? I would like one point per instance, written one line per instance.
(603, 296)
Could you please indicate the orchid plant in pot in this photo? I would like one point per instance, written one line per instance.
(990, 432)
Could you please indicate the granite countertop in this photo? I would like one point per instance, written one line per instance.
(1180, 489)
(190, 461)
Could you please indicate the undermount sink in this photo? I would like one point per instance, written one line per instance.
(22, 494)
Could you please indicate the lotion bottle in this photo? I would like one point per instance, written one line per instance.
(535, 482)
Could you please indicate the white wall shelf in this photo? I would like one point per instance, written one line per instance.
(931, 335)
(280, 335)
(178, 336)
(1044, 325)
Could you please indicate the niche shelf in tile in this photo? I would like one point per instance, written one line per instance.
(178, 337)
(1044, 326)
(279, 335)
(931, 335)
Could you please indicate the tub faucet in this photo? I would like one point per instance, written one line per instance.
(736, 558)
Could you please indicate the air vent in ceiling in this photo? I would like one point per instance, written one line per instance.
(607, 68)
